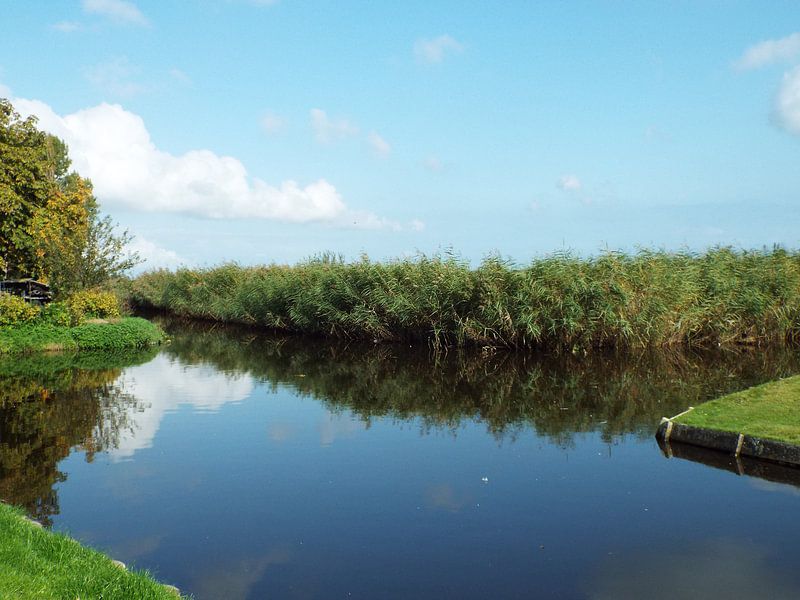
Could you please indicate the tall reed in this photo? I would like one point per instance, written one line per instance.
(560, 302)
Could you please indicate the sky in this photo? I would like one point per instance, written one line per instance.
(263, 131)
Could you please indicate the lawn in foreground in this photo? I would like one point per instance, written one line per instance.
(770, 411)
(38, 564)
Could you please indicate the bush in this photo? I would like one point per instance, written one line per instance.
(14, 310)
(92, 304)
(57, 313)
(132, 332)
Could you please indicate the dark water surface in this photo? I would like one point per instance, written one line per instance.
(235, 465)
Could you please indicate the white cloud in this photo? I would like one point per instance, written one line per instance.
(115, 77)
(569, 183)
(787, 102)
(66, 26)
(328, 130)
(434, 50)
(117, 10)
(112, 147)
(769, 52)
(417, 225)
(272, 123)
(379, 145)
(154, 256)
(5, 91)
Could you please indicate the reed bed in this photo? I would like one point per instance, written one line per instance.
(561, 302)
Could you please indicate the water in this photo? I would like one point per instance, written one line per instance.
(235, 465)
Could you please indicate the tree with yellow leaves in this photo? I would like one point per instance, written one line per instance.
(50, 226)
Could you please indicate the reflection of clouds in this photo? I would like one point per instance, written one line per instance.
(280, 432)
(137, 547)
(233, 581)
(336, 425)
(443, 496)
(772, 486)
(728, 569)
(162, 385)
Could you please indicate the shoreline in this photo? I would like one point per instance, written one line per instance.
(99, 334)
(761, 422)
(39, 563)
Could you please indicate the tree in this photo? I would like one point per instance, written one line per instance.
(51, 227)
(90, 260)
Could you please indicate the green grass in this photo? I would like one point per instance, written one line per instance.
(561, 302)
(129, 332)
(38, 564)
(771, 410)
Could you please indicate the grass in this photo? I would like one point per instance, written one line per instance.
(119, 334)
(38, 564)
(771, 411)
(561, 302)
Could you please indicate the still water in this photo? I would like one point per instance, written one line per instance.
(236, 465)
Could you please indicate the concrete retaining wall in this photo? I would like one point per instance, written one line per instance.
(737, 444)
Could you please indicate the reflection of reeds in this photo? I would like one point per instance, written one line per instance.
(614, 393)
(561, 302)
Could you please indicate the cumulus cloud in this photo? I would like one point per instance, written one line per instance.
(569, 183)
(787, 102)
(272, 123)
(5, 91)
(120, 11)
(113, 148)
(378, 144)
(327, 130)
(769, 52)
(434, 50)
(153, 255)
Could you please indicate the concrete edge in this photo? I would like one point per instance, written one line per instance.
(737, 444)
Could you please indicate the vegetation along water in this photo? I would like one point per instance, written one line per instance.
(561, 302)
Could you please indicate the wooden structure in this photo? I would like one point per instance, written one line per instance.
(29, 290)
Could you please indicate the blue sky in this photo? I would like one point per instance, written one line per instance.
(270, 131)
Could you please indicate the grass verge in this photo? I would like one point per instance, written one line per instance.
(38, 564)
(771, 411)
(119, 334)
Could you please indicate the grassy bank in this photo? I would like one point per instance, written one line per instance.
(561, 302)
(114, 334)
(771, 411)
(38, 564)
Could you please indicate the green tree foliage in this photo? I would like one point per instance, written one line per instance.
(51, 227)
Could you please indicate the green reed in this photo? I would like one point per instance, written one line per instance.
(560, 302)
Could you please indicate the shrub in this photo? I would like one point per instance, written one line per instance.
(92, 304)
(14, 310)
(57, 313)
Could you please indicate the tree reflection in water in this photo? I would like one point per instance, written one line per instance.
(50, 405)
(559, 396)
